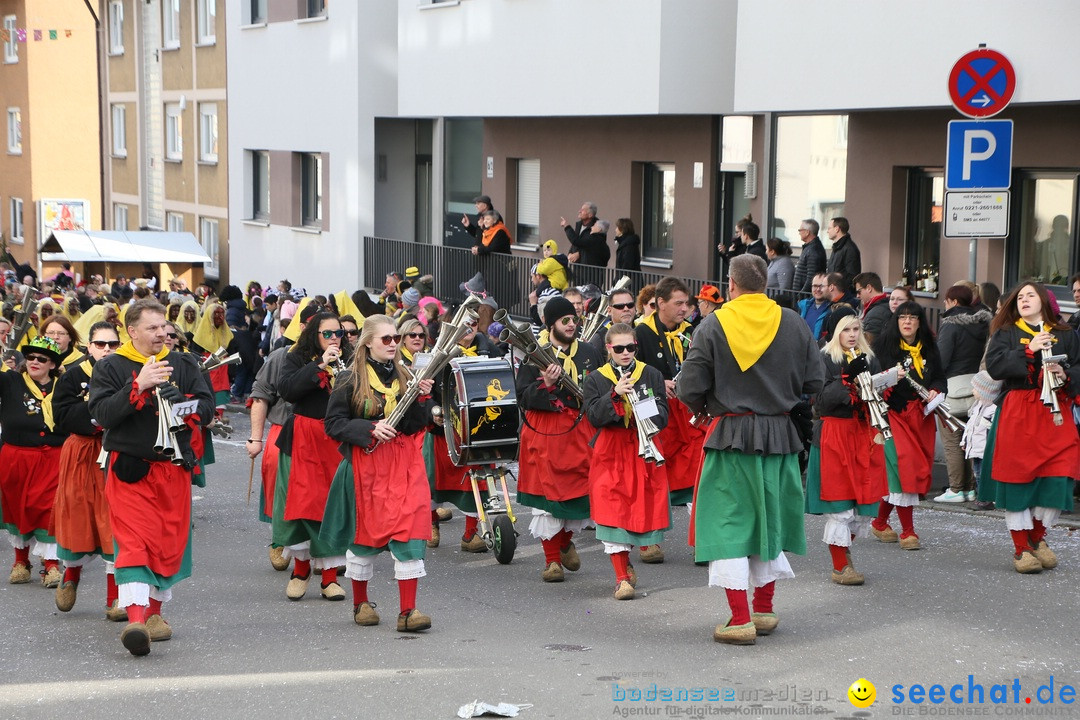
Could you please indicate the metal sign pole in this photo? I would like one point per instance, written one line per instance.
(973, 252)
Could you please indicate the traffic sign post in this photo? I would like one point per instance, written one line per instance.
(979, 155)
(982, 83)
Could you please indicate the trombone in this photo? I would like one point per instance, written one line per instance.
(646, 432)
(597, 318)
(938, 406)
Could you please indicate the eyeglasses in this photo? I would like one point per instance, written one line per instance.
(908, 318)
(57, 334)
(102, 344)
(327, 334)
(416, 336)
(171, 336)
(352, 333)
(390, 339)
(568, 320)
(623, 306)
(802, 230)
(620, 349)
(37, 359)
(818, 287)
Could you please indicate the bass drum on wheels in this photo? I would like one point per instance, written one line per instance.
(480, 411)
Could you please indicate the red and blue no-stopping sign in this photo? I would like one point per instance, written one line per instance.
(981, 83)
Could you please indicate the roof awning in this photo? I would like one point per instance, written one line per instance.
(122, 246)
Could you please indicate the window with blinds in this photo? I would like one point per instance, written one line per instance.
(528, 201)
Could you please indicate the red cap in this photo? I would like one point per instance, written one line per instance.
(710, 293)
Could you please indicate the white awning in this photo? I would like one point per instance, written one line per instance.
(123, 246)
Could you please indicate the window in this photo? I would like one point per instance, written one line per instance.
(174, 132)
(1046, 227)
(810, 173)
(174, 222)
(658, 210)
(170, 24)
(208, 137)
(14, 131)
(11, 45)
(120, 217)
(257, 11)
(16, 221)
(116, 28)
(311, 190)
(922, 241)
(463, 176)
(119, 131)
(260, 185)
(528, 201)
(208, 236)
(316, 8)
(206, 19)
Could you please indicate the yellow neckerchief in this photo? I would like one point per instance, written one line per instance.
(293, 331)
(750, 322)
(128, 350)
(915, 351)
(44, 396)
(345, 306)
(73, 356)
(87, 367)
(849, 354)
(390, 394)
(1024, 327)
(208, 337)
(469, 350)
(184, 325)
(568, 365)
(407, 355)
(674, 337)
(609, 372)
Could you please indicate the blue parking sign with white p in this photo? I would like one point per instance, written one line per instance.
(979, 155)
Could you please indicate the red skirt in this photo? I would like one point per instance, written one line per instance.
(914, 435)
(28, 480)
(268, 466)
(448, 476)
(852, 464)
(554, 461)
(219, 378)
(393, 499)
(151, 518)
(315, 459)
(682, 446)
(81, 512)
(625, 491)
(1028, 443)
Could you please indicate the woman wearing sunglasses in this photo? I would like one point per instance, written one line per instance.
(81, 512)
(30, 459)
(629, 496)
(308, 457)
(380, 499)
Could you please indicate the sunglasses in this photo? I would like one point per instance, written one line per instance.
(37, 359)
(415, 336)
(390, 339)
(623, 306)
(171, 336)
(102, 344)
(471, 324)
(327, 334)
(620, 349)
(352, 333)
(568, 320)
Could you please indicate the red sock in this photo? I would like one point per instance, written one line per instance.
(883, 513)
(621, 562)
(1020, 540)
(566, 537)
(407, 593)
(329, 575)
(50, 564)
(22, 556)
(155, 607)
(471, 523)
(301, 568)
(111, 593)
(136, 613)
(73, 574)
(1038, 533)
(434, 517)
(359, 592)
(763, 597)
(839, 557)
(740, 608)
(551, 550)
(907, 525)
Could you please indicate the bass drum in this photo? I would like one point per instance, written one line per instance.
(480, 411)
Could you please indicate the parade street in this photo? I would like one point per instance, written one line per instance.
(952, 610)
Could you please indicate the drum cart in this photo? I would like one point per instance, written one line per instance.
(496, 515)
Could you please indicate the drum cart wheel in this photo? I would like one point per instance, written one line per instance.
(496, 516)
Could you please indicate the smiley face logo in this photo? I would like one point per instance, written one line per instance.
(862, 693)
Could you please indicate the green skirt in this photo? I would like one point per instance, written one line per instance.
(575, 509)
(293, 532)
(748, 505)
(625, 537)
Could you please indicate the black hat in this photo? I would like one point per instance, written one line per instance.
(840, 311)
(558, 307)
(310, 310)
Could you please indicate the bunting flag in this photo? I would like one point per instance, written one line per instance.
(21, 34)
(37, 36)
(52, 34)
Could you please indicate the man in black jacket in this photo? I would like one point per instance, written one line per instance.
(588, 241)
(811, 259)
(846, 258)
(873, 302)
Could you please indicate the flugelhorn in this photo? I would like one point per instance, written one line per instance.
(520, 336)
(597, 318)
(646, 431)
(1051, 383)
(22, 322)
(875, 405)
(167, 443)
(937, 405)
(218, 358)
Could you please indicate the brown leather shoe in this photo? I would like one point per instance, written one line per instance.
(159, 629)
(764, 623)
(736, 634)
(413, 621)
(848, 576)
(553, 573)
(136, 638)
(624, 591)
(651, 554)
(1046, 556)
(20, 574)
(1026, 563)
(888, 535)
(65, 596)
(365, 614)
(278, 561)
(570, 559)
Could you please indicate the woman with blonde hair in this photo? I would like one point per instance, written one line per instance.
(845, 477)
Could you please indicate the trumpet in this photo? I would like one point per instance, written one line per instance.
(520, 336)
(646, 431)
(597, 319)
(218, 358)
(875, 405)
(938, 406)
(1051, 383)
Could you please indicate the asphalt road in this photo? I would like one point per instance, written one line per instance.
(241, 649)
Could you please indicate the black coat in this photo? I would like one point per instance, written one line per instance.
(846, 259)
(628, 252)
(962, 339)
(811, 262)
(592, 246)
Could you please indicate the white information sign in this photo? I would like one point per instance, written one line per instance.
(976, 214)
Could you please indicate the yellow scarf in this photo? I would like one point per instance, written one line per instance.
(674, 337)
(609, 372)
(1024, 327)
(87, 367)
(390, 394)
(915, 351)
(407, 355)
(469, 351)
(568, 365)
(750, 323)
(46, 400)
(128, 350)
